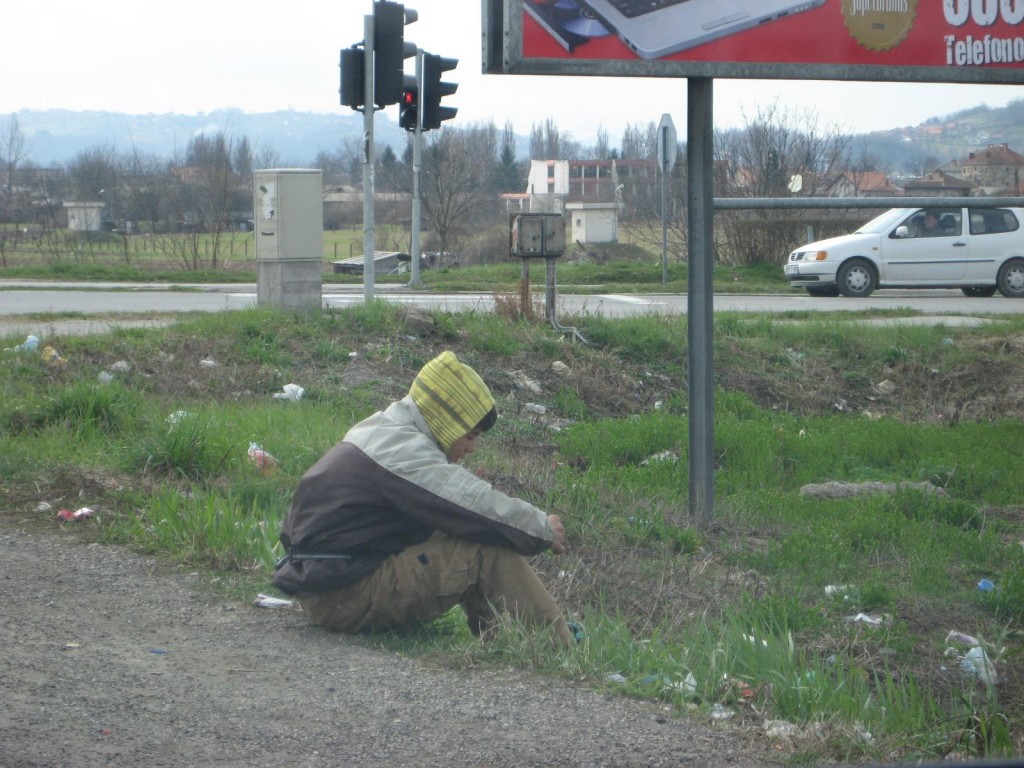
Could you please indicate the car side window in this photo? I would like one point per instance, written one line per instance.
(993, 221)
(934, 222)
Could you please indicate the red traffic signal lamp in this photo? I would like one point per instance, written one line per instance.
(390, 50)
(434, 90)
(409, 106)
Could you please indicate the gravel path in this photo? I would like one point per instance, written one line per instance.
(114, 659)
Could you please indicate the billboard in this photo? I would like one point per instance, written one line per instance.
(954, 41)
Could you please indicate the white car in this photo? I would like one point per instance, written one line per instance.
(975, 249)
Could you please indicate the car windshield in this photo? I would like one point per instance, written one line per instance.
(884, 222)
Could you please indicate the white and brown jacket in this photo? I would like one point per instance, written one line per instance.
(385, 487)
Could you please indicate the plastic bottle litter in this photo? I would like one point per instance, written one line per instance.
(207, 363)
(540, 410)
(30, 344)
(175, 418)
(105, 377)
(121, 366)
(986, 586)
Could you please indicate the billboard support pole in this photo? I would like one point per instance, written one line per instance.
(700, 309)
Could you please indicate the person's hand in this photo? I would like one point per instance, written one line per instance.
(558, 545)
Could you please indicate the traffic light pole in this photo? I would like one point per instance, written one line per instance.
(417, 144)
(369, 245)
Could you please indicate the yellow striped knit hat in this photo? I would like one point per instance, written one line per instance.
(452, 398)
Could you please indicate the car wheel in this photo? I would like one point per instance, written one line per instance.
(1011, 279)
(823, 290)
(856, 278)
(979, 291)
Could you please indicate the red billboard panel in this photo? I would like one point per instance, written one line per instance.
(919, 40)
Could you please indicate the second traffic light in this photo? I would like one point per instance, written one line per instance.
(390, 50)
(433, 90)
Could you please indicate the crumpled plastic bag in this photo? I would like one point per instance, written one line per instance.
(291, 392)
(262, 459)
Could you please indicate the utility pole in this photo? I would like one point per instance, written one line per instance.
(417, 149)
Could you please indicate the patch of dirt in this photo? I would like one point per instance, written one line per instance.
(115, 659)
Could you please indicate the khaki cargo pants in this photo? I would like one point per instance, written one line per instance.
(425, 580)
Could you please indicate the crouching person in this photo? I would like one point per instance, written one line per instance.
(387, 529)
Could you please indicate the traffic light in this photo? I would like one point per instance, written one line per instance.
(408, 115)
(390, 50)
(352, 85)
(434, 90)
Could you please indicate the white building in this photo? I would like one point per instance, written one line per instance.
(84, 217)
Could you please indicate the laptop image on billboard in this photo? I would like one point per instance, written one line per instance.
(656, 28)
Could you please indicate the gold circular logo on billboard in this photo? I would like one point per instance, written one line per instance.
(879, 25)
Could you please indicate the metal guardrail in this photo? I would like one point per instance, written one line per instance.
(792, 203)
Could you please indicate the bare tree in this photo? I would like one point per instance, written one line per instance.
(547, 142)
(145, 176)
(93, 175)
(205, 194)
(639, 142)
(457, 180)
(777, 153)
(12, 142)
(603, 147)
(647, 214)
(266, 156)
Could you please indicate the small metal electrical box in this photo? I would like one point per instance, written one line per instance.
(537, 235)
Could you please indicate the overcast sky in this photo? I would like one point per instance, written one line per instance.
(192, 56)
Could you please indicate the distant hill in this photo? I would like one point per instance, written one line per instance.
(918, 149)
(54, 137)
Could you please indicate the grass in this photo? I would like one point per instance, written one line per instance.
(733, 619)
(152, 258)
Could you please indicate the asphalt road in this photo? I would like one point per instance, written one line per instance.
(21, 299)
